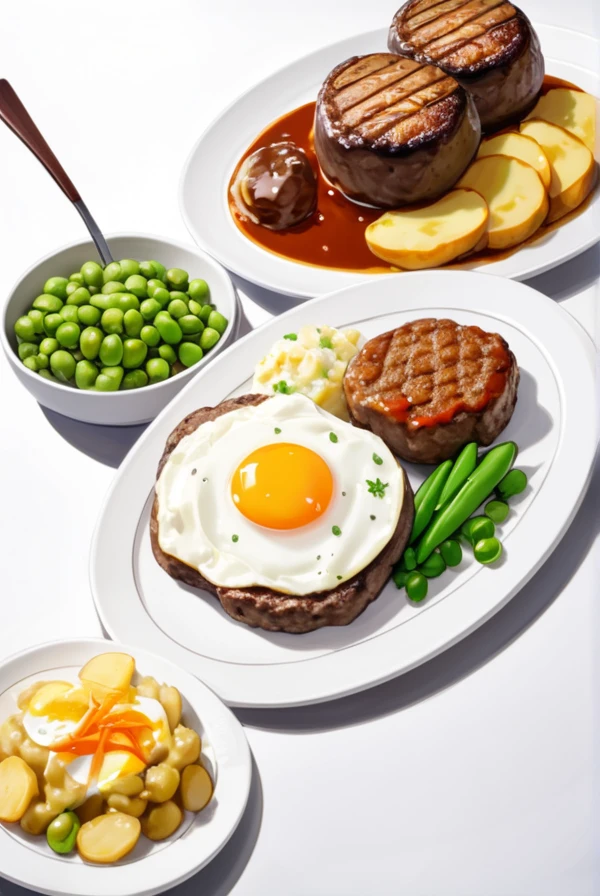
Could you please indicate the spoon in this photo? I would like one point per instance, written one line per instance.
(14, 114)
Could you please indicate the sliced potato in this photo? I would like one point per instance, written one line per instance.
(107, 838)
(108, 673)
(18, 786)
(196, 788)
(572, 164)
(573, 110)
(171, 703)
(518, 146)
(432, 235)
(515, 194)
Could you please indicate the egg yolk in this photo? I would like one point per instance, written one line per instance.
(282, 486)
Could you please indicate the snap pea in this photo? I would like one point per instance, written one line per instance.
(111, 286)
(168, 353)
(427, 497)
(86, 374)
(169, 329)
(513, 484)
(150, 336)
(205, 313)
(482, 481)
(217, 321)
(25, 328)
(134, 353)
(31, 363)
(177, 308)
(128, 302)
(37, 317)
(464, 465)
(90, 342)
(497, 511)
(68, 334)
(163, 296)
(149, 308)
(80, 296)
(129, 268)
(47, 304)
(178, 278)
(76, 277)
(198, 290)
(111, 350)
(27, 350)
(137, 285)
(42, 361)
(451, 551)
(190, 324)
(56, 286)
(190, 354)
(400, 576)
(416, 587)
(135, 379)
(209, 338)
(88, 315)
(434, 566)
(51, 323)
(109, 378)
(112, 273)
(69, 314)
(48, 345)
(92, 274)
(62, 364)
(487, 550)
(133, 323)
(157, 370)
(112, 321)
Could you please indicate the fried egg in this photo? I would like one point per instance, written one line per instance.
(281, 495)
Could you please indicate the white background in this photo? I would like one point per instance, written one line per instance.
(475, 775)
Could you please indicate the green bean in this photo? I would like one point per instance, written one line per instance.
(209, 338)
(149, 308)
(111, 350)
(205, 313)
(77, 277)
(88, 315)
(69, 314)
(25, 328)
(451, 551)
(162, 296)
(109, 378)
(47, 304)
(217, 321)
(487, 550)
(129, 268)
(71, 287)
(90, 342)
(148, 270)
(152, 285)
(31, 363)
(482, 481)
(112, 273)
(190, 354)
(177, 278)
(497, 511)
(195, 307)
(190, 324)
(133, 323)
(92, 274)
(168, 353)
(157, 370)
(513, 484)
(400, 576)
(434, 566)
(111, 286)
(198, 291)
(42, 361)
(150, 335)
(137, 285)
(62, 365)
(134, 353)
(476, 528)
(177, 308)
(86, 374)
(416, 587)
(80, 296)
(56, 286)
(169, 329)
(68, 334)
(464, 465)
(112, 321)
(51, 323)
(38, 320)
(128, 302)
(427, 497)
(27, 350)
(48, 345)
(135, 379)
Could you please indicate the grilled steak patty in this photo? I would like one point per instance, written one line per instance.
(489, 46)
(272, 610)
(390, 131)
(431, 386)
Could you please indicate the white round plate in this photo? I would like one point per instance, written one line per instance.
(552, 425)
(151, 867)
(206, 174)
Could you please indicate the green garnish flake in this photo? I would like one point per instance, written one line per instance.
(325, 342)
(343, 494)
(318, 557)
(336, 530)
(318, 329)
(377, 459)
(338, 578)
(283, 387)
(373, 517)
(235, 538)
(276, 430)
(377, 488)
(291, 336)
(332, 437)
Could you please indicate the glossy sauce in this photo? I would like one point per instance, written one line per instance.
(334, 237)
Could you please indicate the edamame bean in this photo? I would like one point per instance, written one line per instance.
(476, 528)
(80, 296)
(47, 304)
(48, 375)
(209, 338)
(76, 277)
(198, 290)
(217, 321)
(150, 335)
(137, 286)
(109, 379)
(77, 354)
(135, 379)
(62, 364)
(69, 313)
(134, 352)
(90, 342)
(88, 315)
(451, 551)
(51, 323)
(416, 587)
(92, 274)
(71, 287)
(86, 374)
(195, 337)
(400, 576)
(48, 345)
(112, 286)
(177, 294)
(38, 320)
(195, 307)
(61, 833)
(190, 354)
(42, 361)
(56, 286)
(111, 350)
(129, 268)
(112, 321)
(68, 334)
(464, 465)
(161, 271)
(513, 484)
(177, 308)
(169, 329)
(152, 285)
(434, 566)
(25, 328)
(104, 302)
(133, 323)
(31, 363)
(497, 511)
(148, 270)
(112, 272)
(149, 308)
(157, 370)
(128, 302)
(93, 290)
(165, 351)
(177, 278)
(190, 324)
(205, 313)
(487, 550)
(28, 349)
(427, 497)
(163, 296)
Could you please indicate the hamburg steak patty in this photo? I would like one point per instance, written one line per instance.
(263, 607)
(390, 131)
(489, 46)
(431, 386)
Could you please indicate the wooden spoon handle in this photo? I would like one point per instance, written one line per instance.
(15, 115)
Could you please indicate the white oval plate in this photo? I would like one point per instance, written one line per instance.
(151, 867)
(552, 425)
(208, 169)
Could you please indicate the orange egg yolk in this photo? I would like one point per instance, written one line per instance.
(282, 486)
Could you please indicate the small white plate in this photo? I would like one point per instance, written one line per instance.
(207, 171)
(552, 425)
(151, 867)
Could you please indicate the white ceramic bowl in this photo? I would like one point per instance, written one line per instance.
(115, 408)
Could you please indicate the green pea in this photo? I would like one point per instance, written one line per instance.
(51, 324)
(451, 551)
(88, 315)
(209, 338)
(128, 302)
(90, 342)
(161, 271)
(77, 354)
(416, 587)
(193, 337)
(111, 350)
(177, 278)
(149, 308)
(76, 277)
(68, 334)
(47, 304)
(409, 559)
(157, 370)
(129, 268)
(48, 375)
(400, 576)
(109, 378)
(148, 270)
(434, 566)
(112, 321)
(497, 511)
(163, 296)
(133, 323)
(62, 364)
(217, 321)
(42, 361)
(135, 379)
(513, 484)
(198, 290)
(152, 285)
(205, 313)
(104, 302)
(80, 296)
(476, 528)
(169, 329)
(111, 286)
(195, 307)
(48, 345)
(150, 335)
(61, 833)
(153, 352)
(134, 352)
(25, 328)
(56, 286)
(177, 294)
(69, 313)
(94, 290)
(38, 320)
(177, 308)
(71, 287)
(164, 351)
(137, 285)
(92, 274)
(31, 363)
(86, 375)
(112, 272)
(487, 550)
(28, 349)
(190, 324)
(189, 354)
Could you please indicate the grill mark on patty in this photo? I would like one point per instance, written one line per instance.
(443, 25)
(373, 84)
(363, 68)
(460, 37)
(389, 97)
(425, 11)
(397, 120)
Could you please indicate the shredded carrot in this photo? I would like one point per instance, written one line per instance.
(97, 760)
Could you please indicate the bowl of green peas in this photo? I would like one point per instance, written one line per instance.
(113, 344)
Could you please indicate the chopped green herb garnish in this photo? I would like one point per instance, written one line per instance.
(283, 387)
(336, 530)
(291, 336)
(318, 329)
(276, 430)
(343, 494)
(338, 578)
(377, 488)
(325, 342)
(373, 517)
(319, 557)
(235, 538)
(332, 437)
(377, 459)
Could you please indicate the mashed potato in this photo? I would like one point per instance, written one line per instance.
(312, 361)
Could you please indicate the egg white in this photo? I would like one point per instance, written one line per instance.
(197, 517)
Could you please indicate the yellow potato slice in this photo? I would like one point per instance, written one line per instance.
(515, 195)
(107, 838)
(432, 235)
(108, 673)
(573, 110)
(572, 164)
(518, 146)
(18, 786)
(196, 788)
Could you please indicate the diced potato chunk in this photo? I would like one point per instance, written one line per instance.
(37, 818)
(18, 786)
(162, 821)
(108, 673)
(185, 748)
(130, 805)
(108, 838)
(196, 788)
(162, 782)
